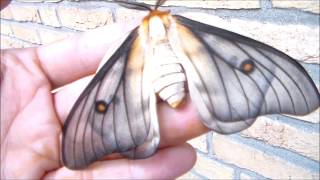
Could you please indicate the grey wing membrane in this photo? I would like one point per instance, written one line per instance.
(233, 79)
(113, 113)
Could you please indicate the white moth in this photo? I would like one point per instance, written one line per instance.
(231, 79)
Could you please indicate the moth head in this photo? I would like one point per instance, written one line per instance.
(155, 25)
(157, 29)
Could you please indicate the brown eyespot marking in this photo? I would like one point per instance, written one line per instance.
(247, 66)
(101, 106)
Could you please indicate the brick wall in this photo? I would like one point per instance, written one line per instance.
(275, 146)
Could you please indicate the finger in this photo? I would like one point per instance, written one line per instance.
(4, 3)
(180, 124)
(168, 163)
(78, 56)
(176, 125)
(66, 96)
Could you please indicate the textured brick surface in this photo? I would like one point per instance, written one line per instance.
(228, 4)
(6, 13)
(199, 143)
(39, 0)
(26, 33)
(126, 15)
(83, 19)
(244, 176)
(6, 29)
(48, 36)
(25, 13)
(7, 42)
(308, 5)
(212, 169)
(258, 161)
(49, 16)
(299, 41)
(312, 117)
(189, 175)
(285, 136)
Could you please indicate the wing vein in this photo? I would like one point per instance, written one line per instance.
(143, 108)
(102, 129)
(114, 126)
(93, 121)
(76, 132)
(293, 80)
(288, 92)
(126, 112)
(218, 69)
(91, 133)
(223, 85)
(205, 88)
(244, 93)
(264, 75)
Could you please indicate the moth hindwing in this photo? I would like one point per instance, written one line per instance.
(231, 79)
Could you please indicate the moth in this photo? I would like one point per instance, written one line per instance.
(231, 79)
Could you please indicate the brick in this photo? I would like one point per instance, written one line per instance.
(83, 19)
(37, 1)
(49, 16)
(298, 41)
(265, 164)
(308, 5)
(244, 176)
(189, 175)
(49, 36)
(283, 135)
(212, 169)
(6, 13)
(199, 143)
(6, 29)
(26, 33)
(312, 117)
(10, 42)
(25, 13)
(218, 4)
(7, 42)
(124, 15)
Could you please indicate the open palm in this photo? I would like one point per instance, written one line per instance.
(32, 116)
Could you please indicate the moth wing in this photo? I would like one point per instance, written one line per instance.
(115, 113)
(233, 79)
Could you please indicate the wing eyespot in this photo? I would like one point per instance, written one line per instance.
(247, 66)
(101, 106)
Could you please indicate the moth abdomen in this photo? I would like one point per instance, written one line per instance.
(170, 86)
(169, 77)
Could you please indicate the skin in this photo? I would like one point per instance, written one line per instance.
(32, 115)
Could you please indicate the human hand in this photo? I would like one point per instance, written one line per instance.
(32, 116)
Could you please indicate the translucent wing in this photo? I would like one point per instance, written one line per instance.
(115, 113)
(233, 79)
